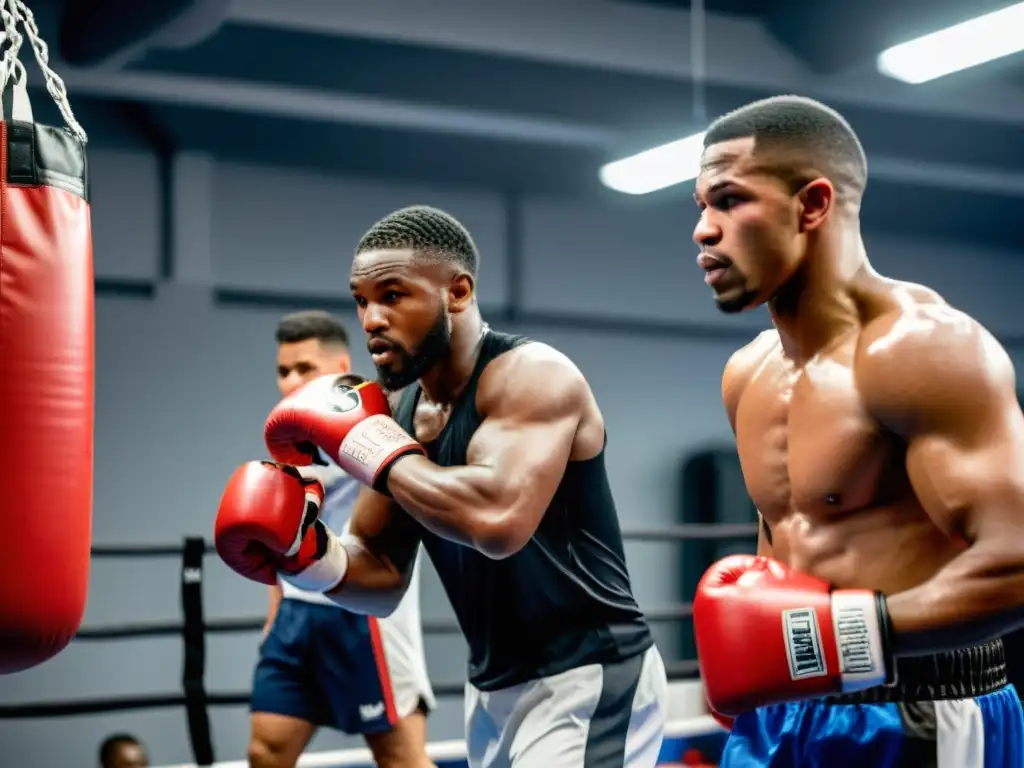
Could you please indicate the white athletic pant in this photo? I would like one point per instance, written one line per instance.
(596, 716)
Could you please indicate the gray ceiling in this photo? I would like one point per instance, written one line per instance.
(535, 95)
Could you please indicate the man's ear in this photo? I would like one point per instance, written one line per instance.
(344, 362)
(817, 199)
(461, 292)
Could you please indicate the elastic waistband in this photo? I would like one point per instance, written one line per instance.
(960, 674)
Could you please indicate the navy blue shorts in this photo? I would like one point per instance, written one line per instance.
(974, 731)
(326, 666)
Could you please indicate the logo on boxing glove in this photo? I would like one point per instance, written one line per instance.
(342, 398)
(377, 435)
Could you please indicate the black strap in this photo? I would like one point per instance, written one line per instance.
(194, 637)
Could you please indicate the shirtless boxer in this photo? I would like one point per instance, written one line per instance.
(880, 437)
(495, 460)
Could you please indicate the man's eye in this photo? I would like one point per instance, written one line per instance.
(392, 296)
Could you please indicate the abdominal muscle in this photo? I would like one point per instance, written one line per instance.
(885, 549)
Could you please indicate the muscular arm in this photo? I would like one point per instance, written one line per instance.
(382, 543)
(951, 395)
(531, 400)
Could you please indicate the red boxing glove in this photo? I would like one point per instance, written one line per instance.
(352, 425)
(267, 526)
(767, 634)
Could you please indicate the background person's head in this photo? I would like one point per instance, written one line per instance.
(413, 274)
(122, 750)
(775, 175)
(311, 343)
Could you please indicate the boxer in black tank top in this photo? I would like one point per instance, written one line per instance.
(562, 601)
(494, 459)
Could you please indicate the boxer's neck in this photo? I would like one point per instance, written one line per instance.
(443, 383)
(818, 306)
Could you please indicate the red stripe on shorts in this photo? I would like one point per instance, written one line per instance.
(382, 670)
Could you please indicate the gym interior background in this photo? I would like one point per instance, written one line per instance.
(236, 161)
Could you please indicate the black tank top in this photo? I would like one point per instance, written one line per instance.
(561, 602)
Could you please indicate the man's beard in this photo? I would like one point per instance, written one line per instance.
(732, 305)
(434, 348)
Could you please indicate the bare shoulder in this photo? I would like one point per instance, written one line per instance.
(742, 365)
(533, 373)
(927, 333)
(923, 355)
(745, 360)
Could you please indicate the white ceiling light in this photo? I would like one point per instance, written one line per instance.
(962, 46)
(655, 168)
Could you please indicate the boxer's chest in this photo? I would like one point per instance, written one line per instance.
(807, 445)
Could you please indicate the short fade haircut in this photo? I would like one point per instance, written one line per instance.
(812, 137)
(425, 230)
(311, 324)
(109, 747)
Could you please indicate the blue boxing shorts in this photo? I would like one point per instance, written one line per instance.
(330, 667)
(949, 710)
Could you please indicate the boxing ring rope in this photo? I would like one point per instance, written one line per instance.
(193, 628)
(703, 531)
(221, 626)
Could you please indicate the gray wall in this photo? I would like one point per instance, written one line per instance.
(183, 385)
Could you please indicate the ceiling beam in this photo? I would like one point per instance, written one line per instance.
(333, 107)
(350, 109)
(955, 178)
(627, 37)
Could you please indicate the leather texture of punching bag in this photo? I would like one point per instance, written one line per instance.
(46, 388)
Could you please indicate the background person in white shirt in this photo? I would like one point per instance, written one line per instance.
(319, 664)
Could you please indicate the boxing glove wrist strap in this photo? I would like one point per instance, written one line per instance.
(861, 627)
(324, 573)
(380, 485)
(372, 446)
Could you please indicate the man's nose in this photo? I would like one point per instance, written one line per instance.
(706, 232)
(291, 382)
(374, 319)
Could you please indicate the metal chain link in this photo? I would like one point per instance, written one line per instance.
(12, 12)
(11, 40)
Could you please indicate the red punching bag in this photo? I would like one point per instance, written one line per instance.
(46, 354)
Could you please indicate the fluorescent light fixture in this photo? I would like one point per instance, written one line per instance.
(985, 38)
(655, 168)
